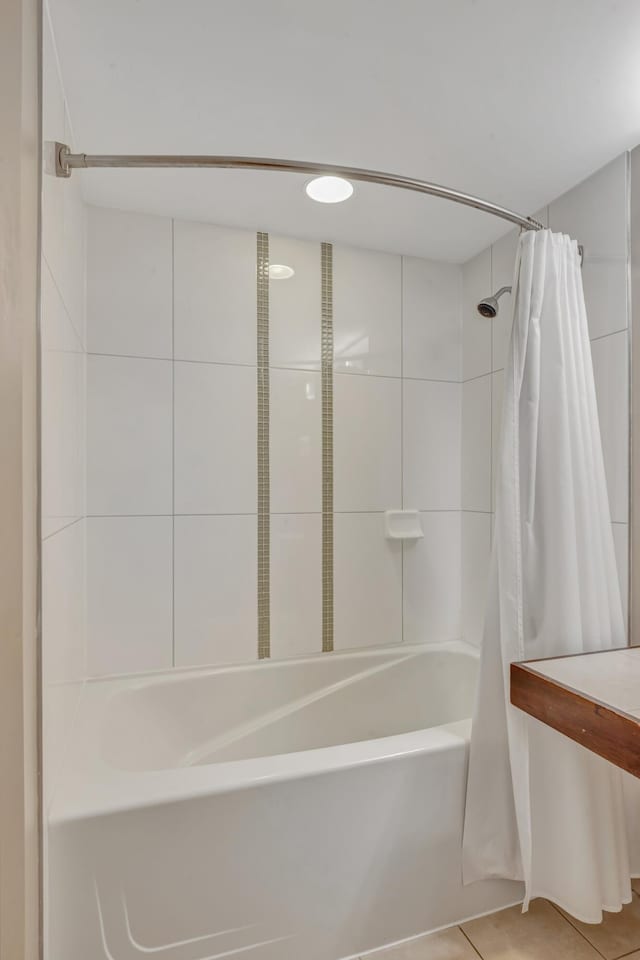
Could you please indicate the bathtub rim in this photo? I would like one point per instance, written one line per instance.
(88, 787)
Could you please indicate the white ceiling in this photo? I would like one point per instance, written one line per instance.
(514, 100)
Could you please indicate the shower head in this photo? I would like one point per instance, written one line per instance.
(489, 306)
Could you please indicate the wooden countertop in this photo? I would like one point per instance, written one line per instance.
(593, 698)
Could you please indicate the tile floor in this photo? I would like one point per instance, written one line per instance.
(544, 933)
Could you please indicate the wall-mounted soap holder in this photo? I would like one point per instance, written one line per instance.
(403, 525)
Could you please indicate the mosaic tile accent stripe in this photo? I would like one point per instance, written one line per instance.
(327, 445)
(264, 534)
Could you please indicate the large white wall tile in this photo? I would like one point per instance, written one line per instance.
(367, 443)
(215, 590)
(214, 293)
(605, 295)
(63, 605)
(367, 311)
(476, 330)
(497, 393)
(296, 585)
(431, 319)
(129, 594)
(72, 277)
(367, 582)
(610, 368)
(503, 258)
(62, 412)
(295, 446)
(595, 212)
(295, 305)
(476, 554)
(476, 444)
(431, 445)
(621, 544)
(53, 128)
(129, 284)
(63, 241)
(431, 577)
(52, 93)
(128, 436)
(214, 438)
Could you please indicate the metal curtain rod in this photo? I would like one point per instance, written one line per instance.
(67, 161)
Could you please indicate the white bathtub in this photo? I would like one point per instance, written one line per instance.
(279, 811)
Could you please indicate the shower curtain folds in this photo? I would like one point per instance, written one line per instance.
(550, 813)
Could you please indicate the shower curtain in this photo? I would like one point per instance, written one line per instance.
(539, 807)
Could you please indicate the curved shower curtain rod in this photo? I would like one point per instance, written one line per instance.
(66, 161)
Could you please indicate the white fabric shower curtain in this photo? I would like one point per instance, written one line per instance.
(539, 807)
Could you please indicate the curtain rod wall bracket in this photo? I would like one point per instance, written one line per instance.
(66, 161)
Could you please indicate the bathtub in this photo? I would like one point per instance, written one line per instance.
(284, 810)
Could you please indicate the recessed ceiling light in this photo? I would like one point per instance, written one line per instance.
(329, 189)
(280, 271)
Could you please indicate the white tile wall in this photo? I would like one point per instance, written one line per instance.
(62, 404)
(172, 438)
(63, 379)
(595, 213)
(296, 585)
(476, 330)
(368, 582)
(432, 580)
(431, 445)
(215, 589)
(367, 443)
(503, 257)
(605, 295)
(129, 284)
(129, 436)
(476, 444)
(476, 555)
(610, 368)
(294, 305)
(497, 392)
(621, 545)
(63, 607)
(367, 312)
(215, 438)
(295, 441)
(214, 293)
(129, 594)
(431, 319)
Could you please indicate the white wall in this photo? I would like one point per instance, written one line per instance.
(63, 430)
(596, 214)
(171, 455)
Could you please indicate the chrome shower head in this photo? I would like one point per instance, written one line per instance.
(489, 306)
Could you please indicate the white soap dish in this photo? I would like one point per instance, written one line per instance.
(403, 525)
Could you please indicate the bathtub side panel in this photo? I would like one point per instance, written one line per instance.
(323, 866)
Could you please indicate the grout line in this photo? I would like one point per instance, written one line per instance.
(491, 494)
(65, 306)
(622, 956)
(470, 941)
(173, 448)
(613, 333)
(569, 920)
(274, 513)
(402, 543)
(479, 376)
(252, 366)
(65, 526)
